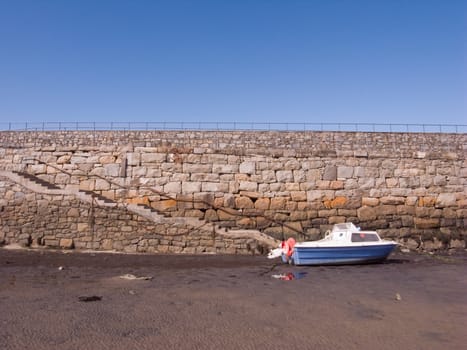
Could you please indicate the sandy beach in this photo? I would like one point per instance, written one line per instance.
(56, 300)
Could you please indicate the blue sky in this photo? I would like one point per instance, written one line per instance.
(383, 61)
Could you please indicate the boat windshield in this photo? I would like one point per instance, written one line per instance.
(345, 226)
(364, 237)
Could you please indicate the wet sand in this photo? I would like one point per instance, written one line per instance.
(229, 302)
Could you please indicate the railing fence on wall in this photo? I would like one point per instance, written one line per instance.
(231, 126)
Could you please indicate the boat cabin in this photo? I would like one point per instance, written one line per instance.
(349, 232)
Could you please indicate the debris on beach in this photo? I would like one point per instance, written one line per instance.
(60, 268)
(398, 297)
(89, 298)
(290, 276)
(275, 253)
(129, 276)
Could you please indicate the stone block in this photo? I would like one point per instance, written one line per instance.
(225, 168)
(82, 227)
(278, 203)
(112, 170)
(445, 200)
(227, 214)
(330, 173)
(66, 243)
(215, 187)
(338, 202)
(426, 223)
(247, 168)
(243, 203)
(191, 187)
(344, 172)
(107, 159)
(248, 186)
(101, 185)
(197, 168)
(426, 201)
(367, 213)
(284, 176)
(165, 205)
(268, 176)
(211, 215)
(392, 200)
(262, 203)
(153, 157)
(371, 202)
(298, 196)
(173, 187)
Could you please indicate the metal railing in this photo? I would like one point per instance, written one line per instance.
(231, 126)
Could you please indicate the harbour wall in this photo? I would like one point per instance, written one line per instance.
(411, 187)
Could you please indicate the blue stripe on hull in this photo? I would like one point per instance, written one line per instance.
(341, 255)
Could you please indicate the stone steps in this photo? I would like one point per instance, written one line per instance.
(38, 185)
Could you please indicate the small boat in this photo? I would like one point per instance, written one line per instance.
(345, 244)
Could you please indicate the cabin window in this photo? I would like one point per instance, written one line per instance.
(364, 237)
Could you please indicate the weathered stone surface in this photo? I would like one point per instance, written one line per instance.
(392, 200)
(173, 187)
(289, 176)
(426, 223)
(284, 176)
(262, 203)
(243, 203)
(247, 168)
(344, 172)
(446, 200)
(371, 202)
(338, 202)
(367, 213)
(153, 157)
(330, 173)
(248, 186)
(278, 203)
(66, 243)
(214, 187)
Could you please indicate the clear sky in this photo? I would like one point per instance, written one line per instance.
(383, 61)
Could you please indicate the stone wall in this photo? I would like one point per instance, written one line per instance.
(409, 186)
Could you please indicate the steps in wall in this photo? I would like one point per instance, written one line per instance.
(38, 185)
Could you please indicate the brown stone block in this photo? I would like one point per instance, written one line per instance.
(297, 215)
(246, 223)
(227, 214)
(338, 202)
(262, 203)
(291, 206)
(423, 223)
(278, 203)
(184, 201)
(405, 210)
(367, 213)
(211, 215)
(392, 200)
(298, 196)
(371, 202)
(243, 203)
(426, 201)
(138, 200)
(66, 243)
(262, 222)
(327, 213)
(165, 205)
(336, 185)
(387, 210)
